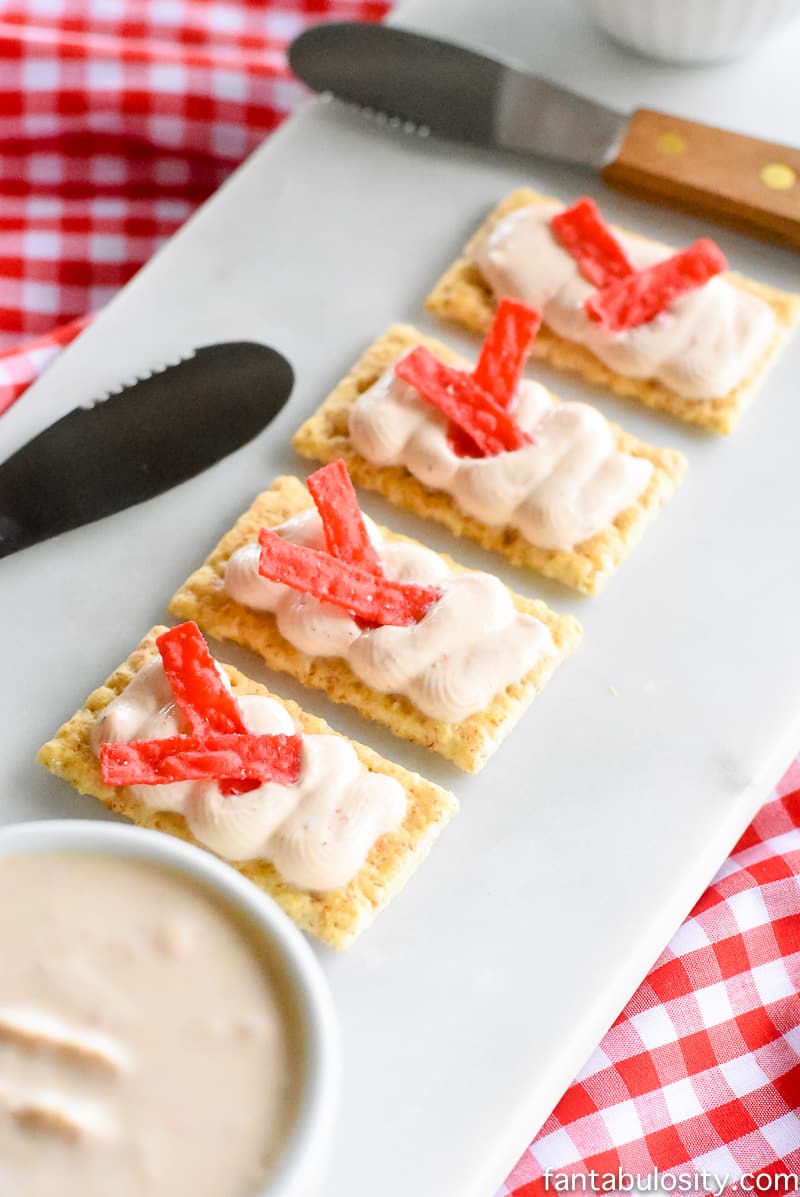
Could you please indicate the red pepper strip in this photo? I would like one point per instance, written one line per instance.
(198, 688)
(639, 298)
(202, 758)
(503, 353)
(462, 443)
(345, 533)
(367, 597)
(455, 393)
(236, 785)
(586, 236)
(500, 364)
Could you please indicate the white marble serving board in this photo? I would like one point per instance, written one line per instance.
(475, 998)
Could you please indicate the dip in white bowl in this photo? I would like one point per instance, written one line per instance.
(692, 31)
(163, 1028)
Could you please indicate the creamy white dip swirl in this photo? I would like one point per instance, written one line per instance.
(702, 345)
(561, 490)
(317, 832)
(470, 645)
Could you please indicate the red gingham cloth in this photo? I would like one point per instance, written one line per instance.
(702, 1068)
(117, 118)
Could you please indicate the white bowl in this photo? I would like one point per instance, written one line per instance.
(300, 1168)
(692, 31)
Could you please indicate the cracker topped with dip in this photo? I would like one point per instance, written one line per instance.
(676, 331)
(554, 487)
(178, 743)
(441, 655)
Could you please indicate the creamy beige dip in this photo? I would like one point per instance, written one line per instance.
(571, 483)
(470, 645)
(146, 1046)
(702, 345)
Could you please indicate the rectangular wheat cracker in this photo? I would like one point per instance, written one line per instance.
(464, 296)
(336, 917)
(468, 744)
(325, 436)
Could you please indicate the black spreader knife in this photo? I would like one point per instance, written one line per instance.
(143, 439)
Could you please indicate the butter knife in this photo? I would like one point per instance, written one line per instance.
(434, 86)
(143, 439)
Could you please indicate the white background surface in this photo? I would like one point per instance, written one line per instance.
(470, 1005)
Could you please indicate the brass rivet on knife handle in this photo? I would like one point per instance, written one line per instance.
(750, 184)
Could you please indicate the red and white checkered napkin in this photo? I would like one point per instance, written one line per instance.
(117, 117)
(702, 1068)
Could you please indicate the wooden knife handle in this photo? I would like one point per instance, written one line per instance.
(741, 181)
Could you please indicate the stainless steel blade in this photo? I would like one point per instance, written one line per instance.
(455, 93)
(145, 438)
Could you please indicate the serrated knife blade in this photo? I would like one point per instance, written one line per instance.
(144, 438)
(422, 83)
(454, 92)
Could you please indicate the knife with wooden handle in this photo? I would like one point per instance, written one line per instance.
(457, 94)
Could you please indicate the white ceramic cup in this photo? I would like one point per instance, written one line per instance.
(302, 1163)
(691, 31)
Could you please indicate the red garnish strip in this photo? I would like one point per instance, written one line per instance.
(376, 600)
(239, 758)
(503, 353)
(496, 378)
(345, 532)
(588, 239)
(640, 297)
(456, 394)
(196, 683)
